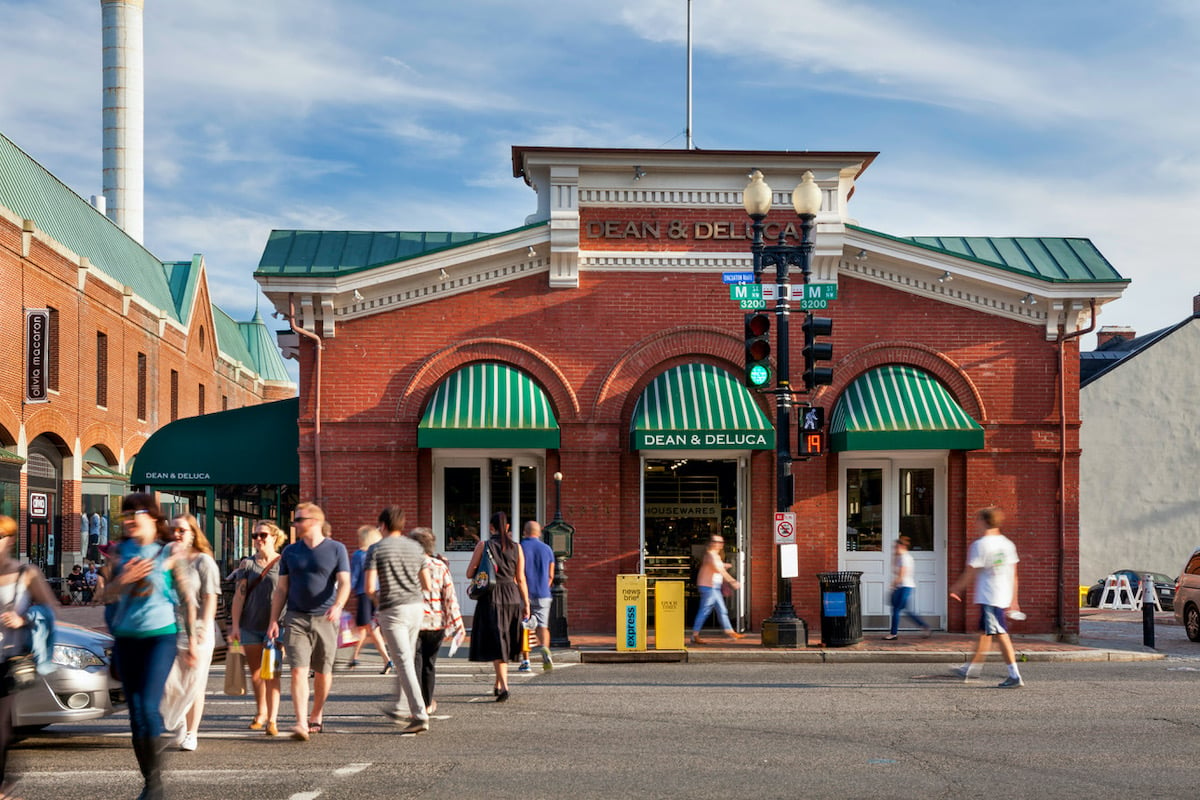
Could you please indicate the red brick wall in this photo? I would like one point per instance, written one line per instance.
(595, 347)
(46, 278)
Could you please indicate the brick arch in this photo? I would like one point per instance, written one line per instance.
(515, 354)
(103, 437)
(54, 425)
(10, 426)
(133, 446)
(879, 354)
(652, 356)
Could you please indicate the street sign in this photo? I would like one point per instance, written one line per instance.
(785, 527)
(752, 305)
(737, 277)
(39, 505)
(820, 291)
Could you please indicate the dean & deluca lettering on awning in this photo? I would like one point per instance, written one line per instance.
(699, 407)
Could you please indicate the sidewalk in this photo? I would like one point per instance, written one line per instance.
(910, 648)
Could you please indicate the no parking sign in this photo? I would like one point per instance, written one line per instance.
(785, 527)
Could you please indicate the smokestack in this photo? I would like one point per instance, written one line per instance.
(124, 103)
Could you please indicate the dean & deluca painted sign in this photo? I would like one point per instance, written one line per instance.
(683, 229)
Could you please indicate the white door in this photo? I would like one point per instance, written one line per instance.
(467, 491)
(882, 497)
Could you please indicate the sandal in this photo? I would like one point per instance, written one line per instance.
(272, 729)
(257, 724)
(314, 727)
(299, 735)
(890, 637)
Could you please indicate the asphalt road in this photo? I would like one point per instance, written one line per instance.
(694, 731)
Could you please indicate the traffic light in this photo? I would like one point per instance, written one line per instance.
(815, 351)
(758, 349)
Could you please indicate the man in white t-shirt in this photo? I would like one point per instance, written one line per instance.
(992, 563)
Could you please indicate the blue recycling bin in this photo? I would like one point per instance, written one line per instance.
(841, 608)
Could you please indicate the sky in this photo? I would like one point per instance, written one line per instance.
(1021, 117)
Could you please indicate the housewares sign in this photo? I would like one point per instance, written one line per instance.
(37, 354)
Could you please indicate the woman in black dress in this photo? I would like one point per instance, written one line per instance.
(495, 629)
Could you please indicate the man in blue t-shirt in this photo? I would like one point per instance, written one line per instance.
(314, 584)
(539, 577)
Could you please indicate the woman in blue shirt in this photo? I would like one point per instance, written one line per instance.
(148, 582)
(364, 616)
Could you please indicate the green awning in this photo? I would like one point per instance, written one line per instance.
(901, 408)
(9, 457)
(255, 445)
(95, 471)
(699, 407)
(489, 405)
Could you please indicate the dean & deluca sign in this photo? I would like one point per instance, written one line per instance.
(681, 230)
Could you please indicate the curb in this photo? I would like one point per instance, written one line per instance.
(821, 656)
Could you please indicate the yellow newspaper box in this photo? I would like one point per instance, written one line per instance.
(668, 615)
(631, 612)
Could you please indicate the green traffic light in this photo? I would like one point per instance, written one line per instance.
(758, 375)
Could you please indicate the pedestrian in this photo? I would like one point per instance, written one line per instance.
(396, 577)
(539, 577)
(495, 626)
(904, 581)
(183, 698)
(259, 576)
(992, 564)
(314, 585)
(364, 614)
(23, 592)
(713, 574)
(143, 622)
(441, 618)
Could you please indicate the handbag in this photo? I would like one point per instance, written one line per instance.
(235, 671)
(347, 631)
(17, 674)
(485, 575)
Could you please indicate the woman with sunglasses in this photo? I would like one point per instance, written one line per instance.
(183, 701)
(252, 617)
(144, 625)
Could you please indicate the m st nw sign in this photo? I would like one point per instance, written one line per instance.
(753, 296)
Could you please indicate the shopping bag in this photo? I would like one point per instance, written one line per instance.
(235, 670)
(269, 665)
(347, 633)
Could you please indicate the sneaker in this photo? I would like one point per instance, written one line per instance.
(1010, 683)
(547, 660)
(964, 672)
(524, 666)
(417, 726)
(189, 742)
(398, 717)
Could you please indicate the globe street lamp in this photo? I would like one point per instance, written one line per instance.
(783, 628)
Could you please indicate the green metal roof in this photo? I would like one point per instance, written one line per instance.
(263, 349)
(229, 338)
(898, 407)
(31, 192)
(488, 405)
(183, 278)
(255, 445)
(699, 407)
(9, 457)
(1053, 259)
(344, 252)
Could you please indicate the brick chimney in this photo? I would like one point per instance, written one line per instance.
(1108, 333)
(1196, 304)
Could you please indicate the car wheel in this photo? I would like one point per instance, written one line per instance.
(1191, 622)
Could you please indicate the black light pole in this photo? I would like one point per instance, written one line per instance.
(561, 536)
(783, 628)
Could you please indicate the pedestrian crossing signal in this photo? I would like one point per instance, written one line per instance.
(812, 443)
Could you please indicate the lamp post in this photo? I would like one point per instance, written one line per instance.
(560, 536)
(783, 628)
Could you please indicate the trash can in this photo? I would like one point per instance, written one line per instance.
(841, 608)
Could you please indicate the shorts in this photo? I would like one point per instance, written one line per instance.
(539, 609)
(311, 642)
(365, 615)
(250, 637)
(991, 621)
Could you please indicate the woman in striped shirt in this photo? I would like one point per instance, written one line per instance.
(442, 618)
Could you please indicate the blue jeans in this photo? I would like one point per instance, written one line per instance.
(144, 664)
(900, 597)
(711, 598)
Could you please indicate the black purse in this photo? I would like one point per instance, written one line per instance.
(17, 674)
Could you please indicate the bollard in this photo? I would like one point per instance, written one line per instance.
(1148, 605)
(559, 636)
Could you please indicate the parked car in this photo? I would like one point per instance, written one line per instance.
(1163, 585)
(1187, 597)
(81, 688)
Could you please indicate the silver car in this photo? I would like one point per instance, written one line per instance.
(79, 689)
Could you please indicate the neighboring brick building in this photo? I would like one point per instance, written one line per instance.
(460, 371)
(133, 343)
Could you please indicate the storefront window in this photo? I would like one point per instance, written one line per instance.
(500, 472)
(463, 497)
(916, 507)
(864, 510)
(10, 490)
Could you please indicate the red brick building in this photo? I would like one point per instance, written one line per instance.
(126, 342)
(458, 372)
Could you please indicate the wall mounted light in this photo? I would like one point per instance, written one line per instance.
(945, 277)
(638, 173)
(358, 298)
(443, 274)
(861, 255)
(1029, 300)
(531, 252)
